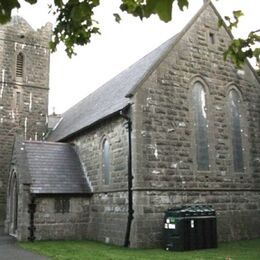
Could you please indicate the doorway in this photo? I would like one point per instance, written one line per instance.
(13, 204)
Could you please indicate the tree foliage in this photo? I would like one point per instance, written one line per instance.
(241, 49)
(76, 25)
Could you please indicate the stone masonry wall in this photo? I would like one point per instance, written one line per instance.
(23, 100)
(165, 172)
(23, 200)
(23, 215)
(237, 213)
(108, 205)
(51, 225)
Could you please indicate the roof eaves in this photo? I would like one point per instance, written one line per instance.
(57, 124)
(53, 194)
(64, 138)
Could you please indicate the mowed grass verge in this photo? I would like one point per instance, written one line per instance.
(84, 250)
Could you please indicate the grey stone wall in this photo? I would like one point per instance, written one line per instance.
(51, 219)
(23, 200)
(108, 205)
(51, 225)
(165, 172)
(23, 216)
(237, 213)
(108, 217)
(23, 101)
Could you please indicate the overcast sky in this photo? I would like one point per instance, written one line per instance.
(119, 46)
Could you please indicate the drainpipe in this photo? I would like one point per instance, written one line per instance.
(31, 211)
(130, 180)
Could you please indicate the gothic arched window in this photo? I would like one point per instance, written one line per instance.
(106, 161)
(234, 106)
(19, 65)
(200, 126)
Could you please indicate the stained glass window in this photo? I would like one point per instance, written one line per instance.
(235, 130)
(200, 126)
(106, 161)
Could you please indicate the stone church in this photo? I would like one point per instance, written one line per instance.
(179, 127)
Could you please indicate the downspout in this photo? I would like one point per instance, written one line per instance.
(31, 211)
(130, 180)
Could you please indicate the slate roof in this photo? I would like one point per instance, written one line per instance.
(54, 168)
(109, 98)
(115, 94)
(53, 120)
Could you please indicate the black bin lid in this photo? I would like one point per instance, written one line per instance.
(190, 210)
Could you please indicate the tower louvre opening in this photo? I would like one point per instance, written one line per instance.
(19, 65)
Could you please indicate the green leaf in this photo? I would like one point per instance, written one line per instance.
(182, 4)
(31, 1)
(256, 54)
(75, 24)
(227, 18)
(79, 12)
(238, 13)
(58, 3)
(220, 22)
(164, 10)
(6, 8)
(150, 7)
(117, 17)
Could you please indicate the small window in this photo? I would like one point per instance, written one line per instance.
(62, 205)
(18, 100)
(106, 161)
(212, 38)
(30, 102)
(200, 126)
(234, 102)
(19, 65)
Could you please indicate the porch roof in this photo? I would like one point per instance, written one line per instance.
(53, 168)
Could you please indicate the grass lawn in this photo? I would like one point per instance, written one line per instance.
(81, 250)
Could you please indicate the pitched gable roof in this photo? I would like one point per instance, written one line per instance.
(109, 98)
(53, 168)
(114, 95)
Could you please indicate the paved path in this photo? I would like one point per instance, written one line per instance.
(10, 251)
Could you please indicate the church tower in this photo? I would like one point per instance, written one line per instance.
(24, 87)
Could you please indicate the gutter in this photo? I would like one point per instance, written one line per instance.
(66, 137)
(130, 180)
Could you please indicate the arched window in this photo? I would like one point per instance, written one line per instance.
(200, 126)
(19, 65)
(234, 106)
(106, 161)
